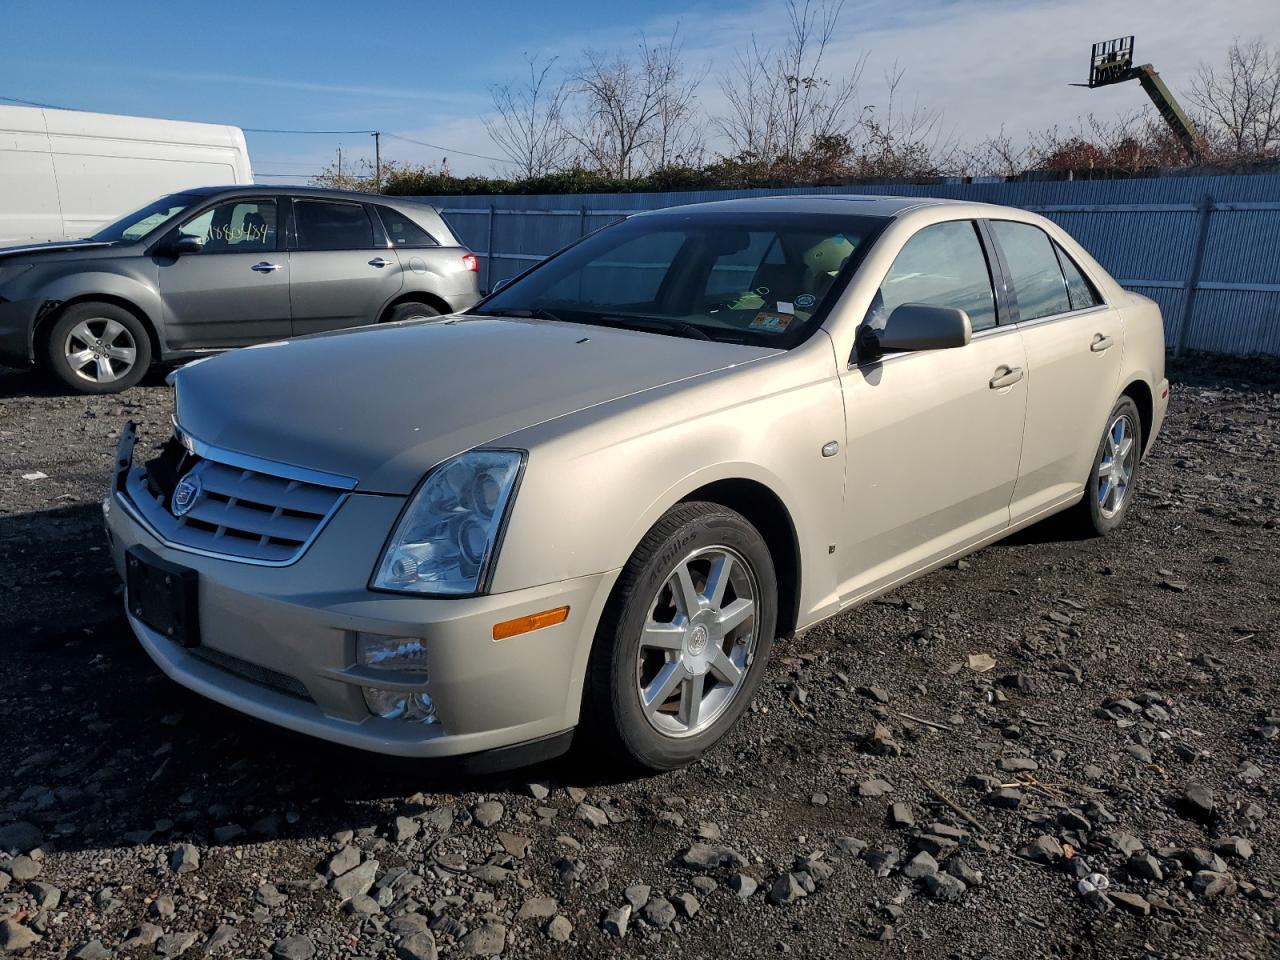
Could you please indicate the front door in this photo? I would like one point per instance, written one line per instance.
(233, 292)
(933, 436)
(1074, 345)
(340, 277)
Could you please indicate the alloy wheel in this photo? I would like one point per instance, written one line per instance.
(698, 641)
(1116, 469)
(100, 350)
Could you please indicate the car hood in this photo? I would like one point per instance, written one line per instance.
(55, 249)
(384, 404)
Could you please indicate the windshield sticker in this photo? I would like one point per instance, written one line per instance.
(771, 322)
(805, 301)
(785, 307)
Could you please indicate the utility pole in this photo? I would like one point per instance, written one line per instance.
(339, 163)
(377, 160)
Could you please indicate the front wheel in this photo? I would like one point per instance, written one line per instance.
(683, 642)
(1109, 493)
(97, 348)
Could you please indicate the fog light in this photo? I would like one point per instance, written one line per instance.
(412, 706)
(391, 653)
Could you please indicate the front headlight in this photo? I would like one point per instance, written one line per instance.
(444, 543)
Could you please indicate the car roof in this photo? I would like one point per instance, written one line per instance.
(301, 190)
(854, 204)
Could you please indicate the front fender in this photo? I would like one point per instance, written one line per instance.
(55, 292)
(599, 479)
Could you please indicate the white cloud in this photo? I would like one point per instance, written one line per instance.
(979, 64)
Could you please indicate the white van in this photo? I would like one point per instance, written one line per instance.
(64, 173)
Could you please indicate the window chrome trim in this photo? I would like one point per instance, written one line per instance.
(1054, 317)
(245, 461)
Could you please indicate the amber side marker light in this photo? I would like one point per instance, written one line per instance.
(535, 621)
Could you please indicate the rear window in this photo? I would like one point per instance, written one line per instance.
(403, 232)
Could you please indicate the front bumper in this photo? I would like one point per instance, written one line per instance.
(279, 643)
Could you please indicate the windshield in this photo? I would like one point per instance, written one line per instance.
(765, 279)
(138, 224)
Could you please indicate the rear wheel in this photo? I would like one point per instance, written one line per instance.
(97, 348)
(411, 311)
(1109, 493)
(684, 641)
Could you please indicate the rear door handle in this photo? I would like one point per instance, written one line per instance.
(1007, 378)
(265, 267)
(1101, 342)
(379, 262)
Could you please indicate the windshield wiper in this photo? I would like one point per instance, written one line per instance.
(665, 323)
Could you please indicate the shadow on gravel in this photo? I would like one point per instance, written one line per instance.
(101, 750)
(30, 382)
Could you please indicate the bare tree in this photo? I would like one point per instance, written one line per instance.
(780, 102)
(904, 143)
(528, 126)
(635, 113)
(1241, 101)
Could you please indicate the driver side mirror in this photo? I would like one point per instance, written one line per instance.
(917, 326)
(185, 244)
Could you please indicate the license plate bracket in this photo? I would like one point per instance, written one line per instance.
(163, 596)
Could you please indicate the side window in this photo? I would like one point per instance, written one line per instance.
(238, 226)
(1033, 263)
(1079, 289)
(944, 265)
(403, 232)
(325, 225)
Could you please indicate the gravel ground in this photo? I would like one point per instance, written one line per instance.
(1128, 728)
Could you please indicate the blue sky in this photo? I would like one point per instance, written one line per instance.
(423, 69)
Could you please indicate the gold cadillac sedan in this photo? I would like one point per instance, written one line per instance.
(593, 502)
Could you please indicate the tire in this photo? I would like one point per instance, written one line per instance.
(411, 311)
(1105, 503)
(97, 348)
(701, 538)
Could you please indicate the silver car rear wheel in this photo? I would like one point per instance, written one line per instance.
(697, 642)
(1116, 469)
(100, 350)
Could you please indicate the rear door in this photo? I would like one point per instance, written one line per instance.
(343, 269)
(1074, 349)
(235, 291)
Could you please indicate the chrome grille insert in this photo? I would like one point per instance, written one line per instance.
(241, 513)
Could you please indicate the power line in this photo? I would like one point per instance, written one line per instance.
(33, 103)
(436, 146)
(327, 133)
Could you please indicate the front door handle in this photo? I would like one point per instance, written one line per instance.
(379, 262)
(265, 267)
(1101, 342)
(1006, 377)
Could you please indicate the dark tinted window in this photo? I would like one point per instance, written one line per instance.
(403, 232)
(237, 226)
(324, 225)
(944, 265)
(1079, 289)
(1033, 263)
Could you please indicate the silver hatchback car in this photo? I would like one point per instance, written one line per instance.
(218, 267)
(595, 501)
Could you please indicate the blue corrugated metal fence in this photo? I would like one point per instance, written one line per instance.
(1207, 249)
